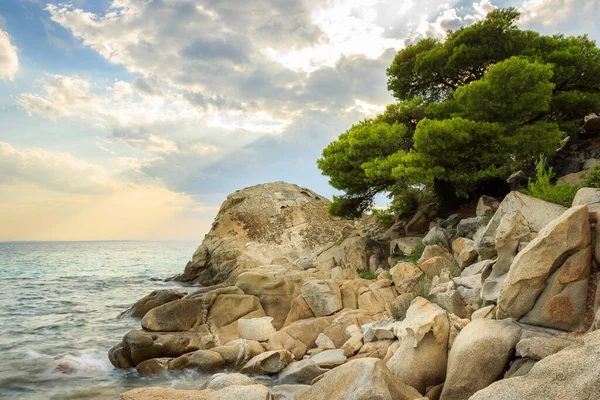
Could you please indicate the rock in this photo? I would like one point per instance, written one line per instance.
(221, 380)
(469, 282)
(436, 236)
(469, 226)
(227, 310)
(406, 277)
(349, 290)
(246, 392)
(590, 163)
(486, 206)
(259, 329)
(453, 302)
(353, 345)
(283, 341)
(376, 297)
(486, 312)
(269, 362)
(479, 356)
(138, 346)
(517, 180)
(513, 230)
(527, 275)
(378, 349)
(307, 330)
(153, 366)
(465, 251)
(519, 367)
(288, 392)
(591, 198)
(573, 178)
(235, 354)
(591, 126)
(201, 360)
(457, 324)
(537, 348)
(364, 379)
(323, 341)
(538, 214)
(258, 224)
(329, 358)
(299, 310)
(570, 373)
(276, 288)
(153, 300)
(323, 297)
(433, 250)
(420, 360)
(434, 266)
(303, 371)
(562, 303)
(418, 224)
(405, 246)
(477, 268)
(184, 314)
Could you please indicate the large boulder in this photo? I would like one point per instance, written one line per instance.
(363, 379)
(153, 300)
(530, 269)
(261, 223)
(201, 360)
(479, 356)
(538, 214)
(303, 371)
(246, 392)
(420, 360)
(259, 329)
(323, 297)
(591, 198)
(227, 310)
(269, 362)
(569, 374)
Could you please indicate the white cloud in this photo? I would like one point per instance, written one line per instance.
(55, 171)
(9, 59)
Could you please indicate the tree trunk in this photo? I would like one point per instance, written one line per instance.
(444, 191)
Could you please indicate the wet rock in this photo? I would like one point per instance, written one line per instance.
(303, 371)
(201, 360)
(269, 362)
(153, 366)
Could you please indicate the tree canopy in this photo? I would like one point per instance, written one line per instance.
(483, 103)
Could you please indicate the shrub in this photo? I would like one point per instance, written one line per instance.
(367, 275)
(417, 253)
(592, 178)
(384, 217)
(423, 286)
(562, 194)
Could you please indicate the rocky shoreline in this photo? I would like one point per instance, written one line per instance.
(497, 305)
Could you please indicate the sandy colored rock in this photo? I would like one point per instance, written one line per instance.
(420, 360)
(235, 354)
(269, 362)
(152, 300)
(201, 360)
(465, 251)
(303, 371)
(405, 246)
(329, 358)
(434, 250)
(307, 330)
(377, 349)
(153, 366)
(259, 329)
(299, 310)
(479, 356)
(258, 224)
(434, 266)
(287, 392)
(246, 392)
(486, 312)
(222, 380)
(538, 214)
(227, 310)
(364, 379)
(531, 267)
(323, 297)
(537, 348)
(591, 198)
(350, 289)
(569, 374)
(283, 341)
(406, 277)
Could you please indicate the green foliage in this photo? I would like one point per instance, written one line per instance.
(413, 199)
(384, 217)
(484, 103)
(592, 178)
(423, 286)
(562, 194)
(367, 275)
(417, 253)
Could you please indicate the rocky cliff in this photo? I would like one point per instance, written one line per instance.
(501, 305)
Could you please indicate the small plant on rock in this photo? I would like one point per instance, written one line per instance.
(367, 275)
(561, 193)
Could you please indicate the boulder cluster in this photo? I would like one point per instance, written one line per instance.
(500, 305)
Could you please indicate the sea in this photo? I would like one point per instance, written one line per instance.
(59, 308)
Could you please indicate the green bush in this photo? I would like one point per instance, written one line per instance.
(561, 193)
(367, 275)
(592, 178)
(417, 253)
(384, 217)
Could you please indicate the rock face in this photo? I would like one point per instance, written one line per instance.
(259, 224)
(569, 374)
(526, 279)
(364, 379)
(479, 356)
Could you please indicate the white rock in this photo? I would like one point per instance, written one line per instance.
(259, 329)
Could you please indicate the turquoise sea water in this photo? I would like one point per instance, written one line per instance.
(59, 303)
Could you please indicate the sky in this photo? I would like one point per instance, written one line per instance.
(133, 119)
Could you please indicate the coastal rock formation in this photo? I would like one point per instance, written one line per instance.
(259, 224)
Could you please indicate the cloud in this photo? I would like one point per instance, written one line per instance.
(48, 195)
(54, 171)
(9, 59)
